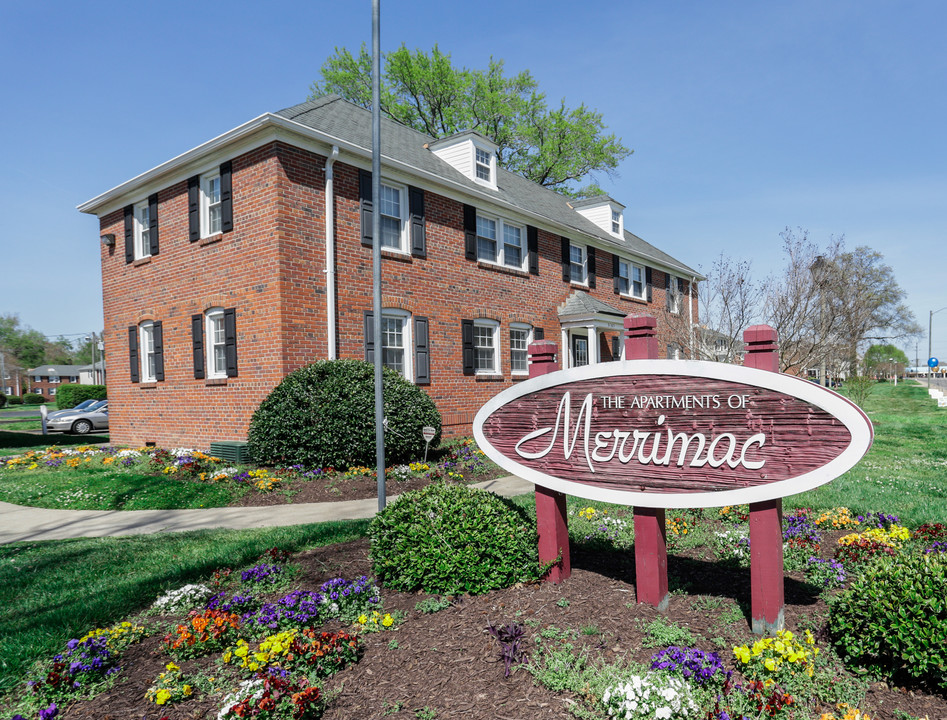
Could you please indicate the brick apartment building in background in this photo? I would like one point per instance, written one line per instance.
(247, 257)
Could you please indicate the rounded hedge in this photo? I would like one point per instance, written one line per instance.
(450, 539)
(3, 399)
(33, 399)
(323, 415)
(892, 620)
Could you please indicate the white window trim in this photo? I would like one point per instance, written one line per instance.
(209, 345)
(494, 326)
(501, 224)
(141, 250)
(403, 205)
(585, 264)
(631, 280)
(619, 221)
(491, 182)
(529, 338)
(146, 338)
(407, 337)
(676, 302)
(205, 203)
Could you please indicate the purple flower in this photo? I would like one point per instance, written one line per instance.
(48, 713)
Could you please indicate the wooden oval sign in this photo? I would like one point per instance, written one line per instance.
(673, 433)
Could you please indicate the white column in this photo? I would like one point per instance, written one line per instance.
(566, 350)
(593, 346)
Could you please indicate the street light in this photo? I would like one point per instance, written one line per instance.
(95, 372)
(930, 325)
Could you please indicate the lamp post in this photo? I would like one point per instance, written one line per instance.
(930, 325)
(95, 374)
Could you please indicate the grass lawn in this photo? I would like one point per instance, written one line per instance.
(53, 591)
(16, 443)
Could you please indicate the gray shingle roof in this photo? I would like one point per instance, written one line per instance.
(581, 303)
(55, 370)
(335, 116)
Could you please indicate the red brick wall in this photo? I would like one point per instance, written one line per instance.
(271, 269)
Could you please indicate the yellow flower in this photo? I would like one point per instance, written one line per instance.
(362, 619)
(770, 664)
(388, 620)
(162, 696)
(187, 690)
(172, 667)
(742, 654)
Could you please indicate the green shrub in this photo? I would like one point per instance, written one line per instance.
(71, 394)
(892, 621)
(14, 400)
(33, 399)
(323, 415)
(449, 539)
(3, 399)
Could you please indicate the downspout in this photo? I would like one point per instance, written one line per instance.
(690, 309)
(330, 252)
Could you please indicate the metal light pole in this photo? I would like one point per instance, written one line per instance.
(930, 325)
(376, 251)
(95, 375)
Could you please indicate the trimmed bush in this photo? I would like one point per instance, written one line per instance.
(323, 415)
(33, 399)
(14, 400)
(3, 400)
(447, 539)
(71, 394)
(892, 621)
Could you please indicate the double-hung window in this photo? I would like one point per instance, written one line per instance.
(500, 242)
(483, 162)
(146, 350)
(486, 239)
(395, 342)
(631, 279)
(393, 217)
(486, 347)
(520, 338)
(675, 290)
(216, 343)
(578, 266)
(142, 230)
(513, 245)
(616, 222)
(210, 204)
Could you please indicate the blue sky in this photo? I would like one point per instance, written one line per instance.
(745, 117)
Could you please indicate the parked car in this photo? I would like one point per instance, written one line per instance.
(84, 405)
(80, 422)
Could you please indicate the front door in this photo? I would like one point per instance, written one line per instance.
(580, 350)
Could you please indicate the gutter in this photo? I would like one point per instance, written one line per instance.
(330, 251)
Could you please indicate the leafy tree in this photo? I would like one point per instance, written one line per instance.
(554, 147)
(27, 346)
(882, 355)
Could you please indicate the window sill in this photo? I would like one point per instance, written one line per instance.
(150, 385)
(141, 261)
(579, 285)
(496, 267)
(488, 378)
(519, 376)
(391, 254)
(211, 382)
(211, 239)
(632, 298)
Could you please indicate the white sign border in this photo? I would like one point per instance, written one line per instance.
(847, 412)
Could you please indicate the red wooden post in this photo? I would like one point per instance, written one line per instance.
(766, 518)
(651, 553)
(552, 522)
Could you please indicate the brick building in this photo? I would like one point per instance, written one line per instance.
(46, 380)
(223, 271)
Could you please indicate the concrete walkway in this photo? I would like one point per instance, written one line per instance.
(25, 524)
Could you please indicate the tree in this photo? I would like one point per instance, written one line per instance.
(28, 346)
(553, 147)
(884, 356)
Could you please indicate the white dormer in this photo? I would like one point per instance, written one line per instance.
(608, 214)
(470, 153)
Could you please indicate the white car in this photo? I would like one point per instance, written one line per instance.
(80, 422)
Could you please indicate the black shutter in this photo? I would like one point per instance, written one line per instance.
(470, 232)
(133, 352)
(467, 338)
(365, 205)
(590, 252)
(422, 352)
(416, 222)
(153, 223)
(158, 339)
(369, 324)
(230, 341)
(538, 334)
(566, 261)
(226, 197)
(680, 292)
(667, 290)
(197, 341)
(194, 208)
(647, 279)
(129, 233)
(532, 247)
(616, 274)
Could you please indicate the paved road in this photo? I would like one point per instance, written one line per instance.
(26, 524)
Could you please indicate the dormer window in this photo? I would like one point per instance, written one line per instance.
(483, 164)
(616, 221)
(604, 212)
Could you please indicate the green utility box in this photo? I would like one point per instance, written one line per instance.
(233, 451)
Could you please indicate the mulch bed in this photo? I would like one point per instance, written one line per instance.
(447, 663)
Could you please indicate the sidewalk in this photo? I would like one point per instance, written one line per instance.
(26, 524)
